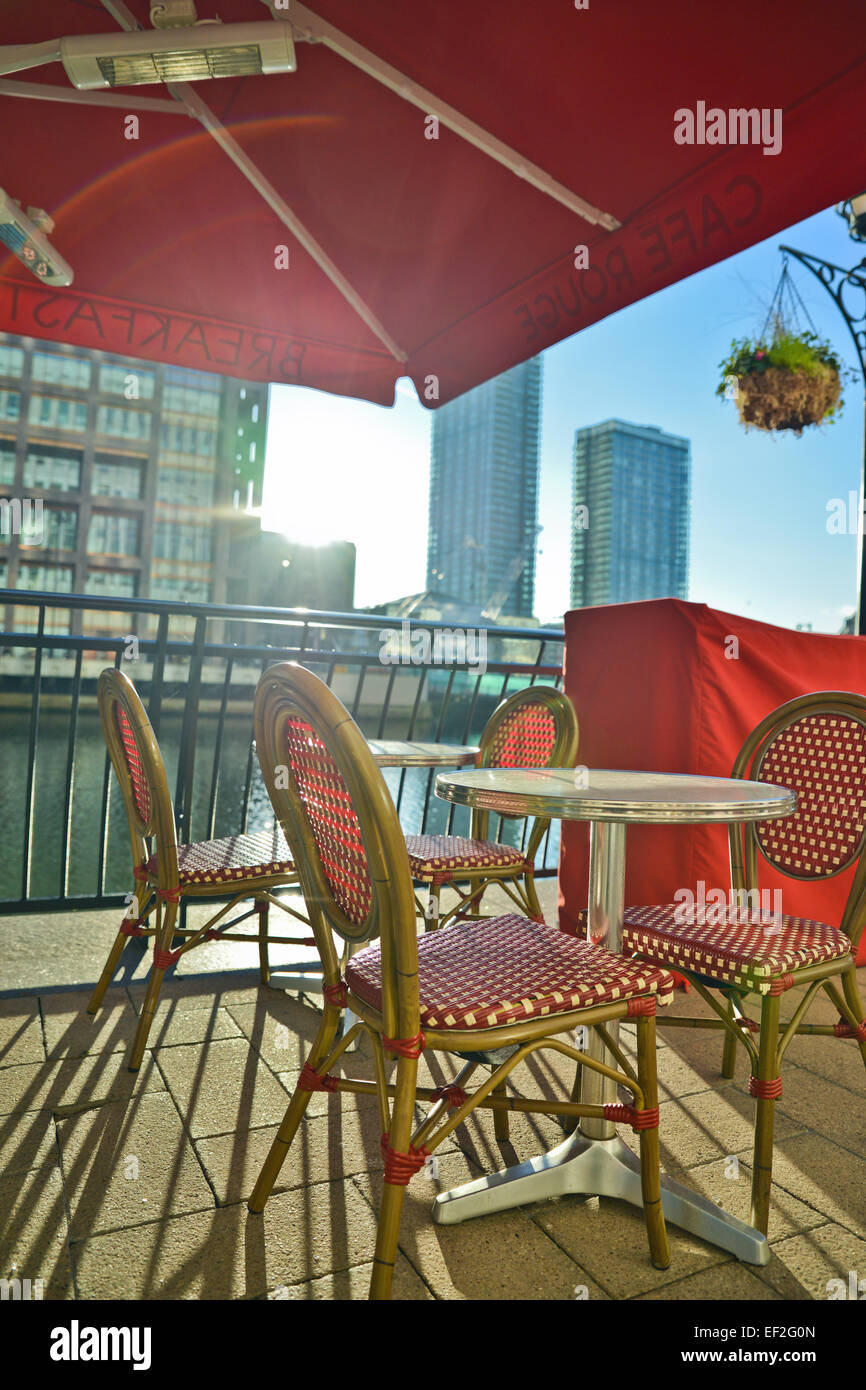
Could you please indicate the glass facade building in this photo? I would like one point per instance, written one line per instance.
(484, 493)
(630, 518)
(137, 465)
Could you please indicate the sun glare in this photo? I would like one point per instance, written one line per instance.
(344, 470)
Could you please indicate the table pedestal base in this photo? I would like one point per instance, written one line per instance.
(603, 1168)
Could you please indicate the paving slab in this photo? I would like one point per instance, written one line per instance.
(820, 1264)
(354, 1284)
(837, 1059)
(505, 1256)
(830, 1179)
(69, 948)
(327, 1148)
(279, 1026)
(74, 1083)
(20, 1032)
(27, 1141)
(806, 1096)
(197, 991)
(127, 1163)
(728, 1183)
(608, 1238)
(33, 1231)
(228, 1252)
(734, 1282)
(71, 1032)
(222, 1088)
(709, 1125)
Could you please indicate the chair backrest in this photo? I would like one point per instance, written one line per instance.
(138, 765)
(815, 745)
(535, 727)
(338, 818)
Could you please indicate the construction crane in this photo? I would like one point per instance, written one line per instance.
(497, 601)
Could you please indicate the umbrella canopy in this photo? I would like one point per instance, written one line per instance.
(415, 199)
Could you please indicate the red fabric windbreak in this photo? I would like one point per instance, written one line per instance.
(469, 268)
(654, 691)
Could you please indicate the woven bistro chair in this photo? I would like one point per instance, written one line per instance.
(535, 727)
(467, 989)
(240, 866)
(814, 745)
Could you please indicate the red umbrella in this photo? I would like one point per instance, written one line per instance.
(432, 171)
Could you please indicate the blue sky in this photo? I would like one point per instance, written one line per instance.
(340, 469)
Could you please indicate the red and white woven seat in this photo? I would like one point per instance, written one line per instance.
(430, 856)
(237, 857)
(506, 970)
(748, 948)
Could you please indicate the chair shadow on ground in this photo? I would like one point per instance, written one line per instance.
(78, 1113)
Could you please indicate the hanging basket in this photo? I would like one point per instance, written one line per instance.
(788, 379)
(780, 399)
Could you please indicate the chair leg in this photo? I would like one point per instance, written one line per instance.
(431, 912)
(762, 1165)
(855, 1002)
(729, 1050)
(650, 1161)
(264, 963)
(500, 1117)
(293, 1116)
(570, 1122)
(279, 1150)
(154, 985)
(388, 1229)
(532, 897)
(161, 942)
(107, 973)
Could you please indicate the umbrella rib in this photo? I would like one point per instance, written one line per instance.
(278, 205)
(41, 91)
(183, 93)
(306, 24)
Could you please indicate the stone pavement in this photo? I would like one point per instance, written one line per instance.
(122, 1186)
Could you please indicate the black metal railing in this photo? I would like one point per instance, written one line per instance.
(65, 842)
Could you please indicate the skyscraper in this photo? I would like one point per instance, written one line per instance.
(136, 466)
(630, 518)
(484, 493)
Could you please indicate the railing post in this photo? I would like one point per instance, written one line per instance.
(31, 756)
(157, 676)
(189, 733)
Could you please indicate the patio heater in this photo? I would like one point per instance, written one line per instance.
(848, 289)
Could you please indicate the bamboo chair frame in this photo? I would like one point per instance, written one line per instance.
(157, 897)
(774, 1034)
(290, 692)
(517, 881)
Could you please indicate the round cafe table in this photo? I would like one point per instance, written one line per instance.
(396, 752)
(594, 1160)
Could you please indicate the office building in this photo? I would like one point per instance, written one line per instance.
(137, 468)
(484, 494)
(630, 515)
